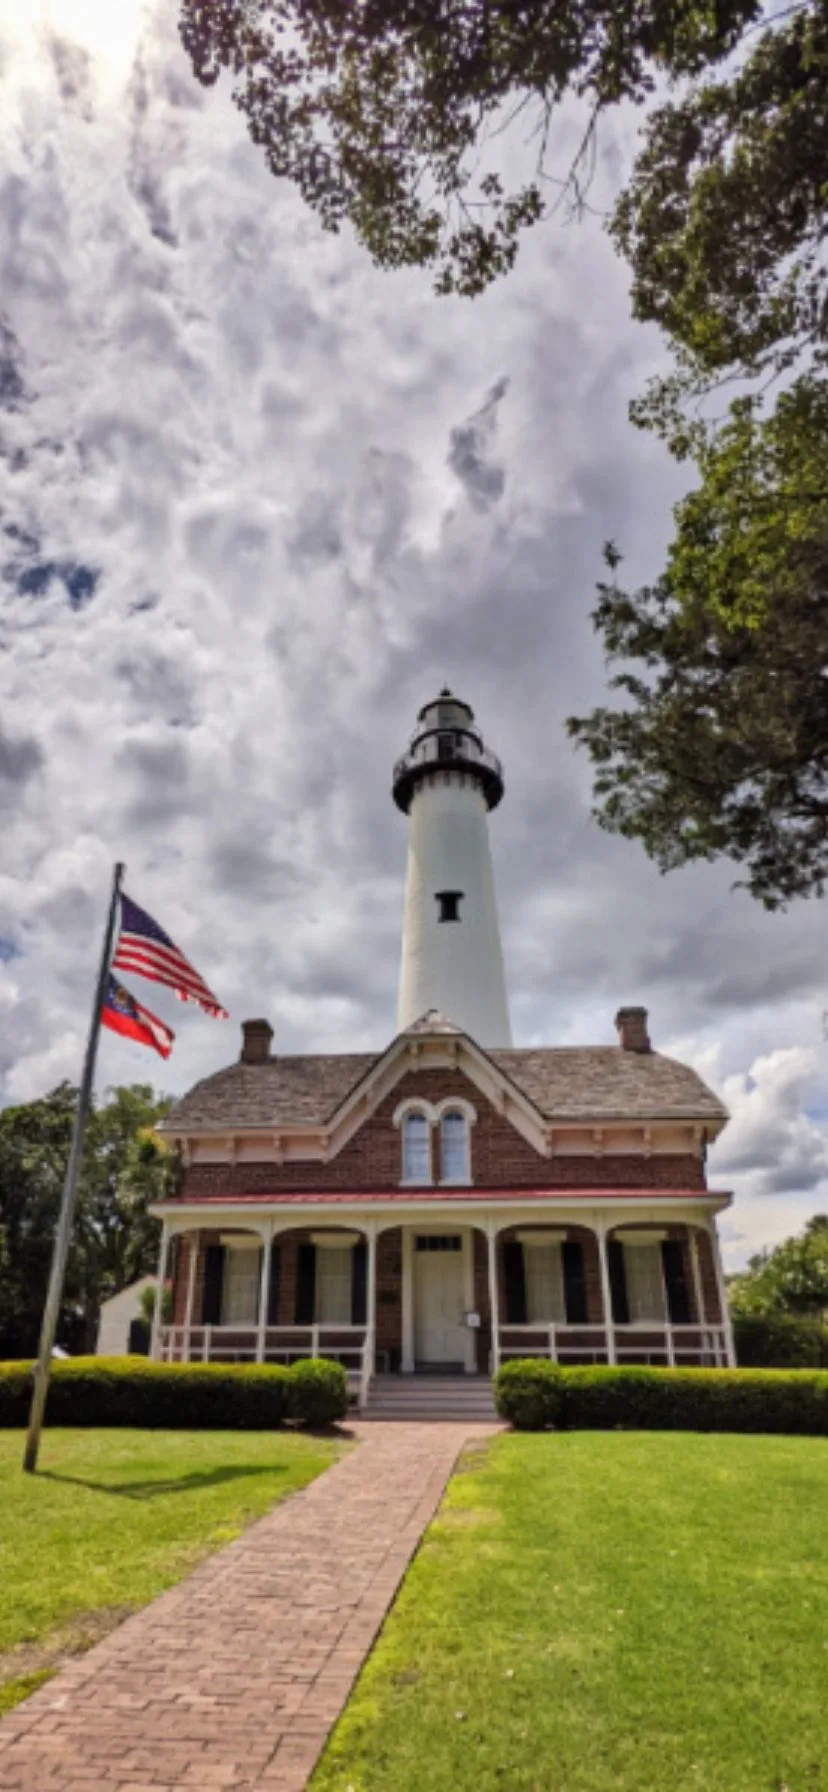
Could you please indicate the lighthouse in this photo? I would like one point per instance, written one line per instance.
(446, 784)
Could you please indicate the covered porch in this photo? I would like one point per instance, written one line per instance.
(445, 1292)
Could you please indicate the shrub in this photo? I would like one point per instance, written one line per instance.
(96, 1390)
(763, 1400)
(317, 1392)
(131, 1391)
(528, 1394)
(780, 1341)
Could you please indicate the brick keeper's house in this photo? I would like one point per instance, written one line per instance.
(425, 1212)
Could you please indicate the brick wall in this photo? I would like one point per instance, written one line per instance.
(501, 1157)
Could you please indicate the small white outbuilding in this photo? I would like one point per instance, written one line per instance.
(117, 1315)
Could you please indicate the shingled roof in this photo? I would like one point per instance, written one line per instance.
(590, 1083)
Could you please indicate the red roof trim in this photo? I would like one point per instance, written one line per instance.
(292, 1198)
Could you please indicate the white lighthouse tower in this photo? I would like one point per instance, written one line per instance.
(451, 956)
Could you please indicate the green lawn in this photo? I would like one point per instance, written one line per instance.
(607, 1612)
(112, 1517)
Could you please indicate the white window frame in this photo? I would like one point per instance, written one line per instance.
(454, 1104)
(334, 1254)
(415, 1111)
(238, 1255)
(635, 1253)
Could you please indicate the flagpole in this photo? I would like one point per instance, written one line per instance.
(63, 1234)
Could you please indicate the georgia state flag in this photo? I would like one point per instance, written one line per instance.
(124, 1015)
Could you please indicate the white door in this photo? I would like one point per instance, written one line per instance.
(440, 1332)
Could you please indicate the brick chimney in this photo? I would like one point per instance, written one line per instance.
(632, 1030)
(256, 1037)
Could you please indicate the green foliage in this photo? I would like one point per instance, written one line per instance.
(386, 114)
(193, 1396)
(529, 1394)
(724, 217)
(124, 1168)
(791, 1278)
(636, 1399)
(317, 1392)
(780, 1341)
(722, 747)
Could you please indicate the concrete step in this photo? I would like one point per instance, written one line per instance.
(410, 1397)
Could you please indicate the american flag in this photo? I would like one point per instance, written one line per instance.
(144, 947)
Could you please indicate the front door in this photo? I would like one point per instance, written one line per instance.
(440, 1333)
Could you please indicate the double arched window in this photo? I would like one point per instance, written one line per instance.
(436, 1142)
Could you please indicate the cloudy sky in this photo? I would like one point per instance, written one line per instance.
(258, 502)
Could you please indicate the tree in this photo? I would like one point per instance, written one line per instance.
(384, 114)
(793, 1278)
(124, 1168)
(724, 747)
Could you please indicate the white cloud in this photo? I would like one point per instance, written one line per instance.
(261, 511)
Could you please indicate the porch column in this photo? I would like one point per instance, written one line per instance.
(721, 1290)
(194, 1241)
(371, 1295)
(494, 1303)
(155, 1339)
(264, 1292)
(606, 1292)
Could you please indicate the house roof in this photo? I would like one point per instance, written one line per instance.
(590, 1083)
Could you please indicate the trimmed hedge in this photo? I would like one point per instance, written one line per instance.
(534, 1395)
(97, 1390)
(780, 1341)
(317, 1392)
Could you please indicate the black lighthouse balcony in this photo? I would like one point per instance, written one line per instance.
(446, 741)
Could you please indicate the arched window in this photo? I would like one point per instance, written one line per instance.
(416, 1153)
(454, 1147)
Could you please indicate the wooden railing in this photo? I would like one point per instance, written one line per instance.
(647, 1341)
(350, 1345)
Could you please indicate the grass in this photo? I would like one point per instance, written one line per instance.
(606, 1612)
(112, 1517)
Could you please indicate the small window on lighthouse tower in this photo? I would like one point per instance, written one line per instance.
(448, 904)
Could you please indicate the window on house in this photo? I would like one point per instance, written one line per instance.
(334, 1274)
(543, 1272)
(448, 904)
(645, 1282)
(416, 1166)
(454, 1148)
(240, 1292)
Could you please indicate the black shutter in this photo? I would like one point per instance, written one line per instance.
(359, 1282)
(273, 1290)
(514, 1279)
(213, 1284)
(675, 1278)
(575, 1301)
(305, 1284)
(618, 1282)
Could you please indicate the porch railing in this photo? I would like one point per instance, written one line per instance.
(350, 1345)
(646, 1341)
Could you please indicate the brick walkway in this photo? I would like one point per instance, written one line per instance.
(234, 1678)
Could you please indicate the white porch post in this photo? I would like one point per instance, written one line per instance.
(722, 1293)
(371, 1295)
(494, 1303)
(194, 1241)
(264, 1293)
(606, 1292)
(408, 1300)
(163, 1253)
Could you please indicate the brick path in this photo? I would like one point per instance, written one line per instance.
(234, 1678)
